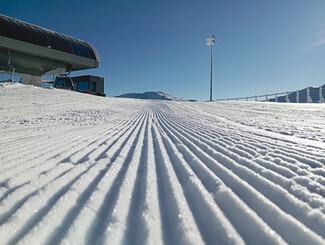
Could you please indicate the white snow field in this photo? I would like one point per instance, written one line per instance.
(82, 169)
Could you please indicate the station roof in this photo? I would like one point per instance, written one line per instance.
(30, 40)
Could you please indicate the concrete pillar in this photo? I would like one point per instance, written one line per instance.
(31, 80)
(287, 98)
(309, 100)
(321, 98)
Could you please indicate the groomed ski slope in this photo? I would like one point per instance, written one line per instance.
(81, 169)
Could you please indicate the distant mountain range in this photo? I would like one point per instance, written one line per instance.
(316, 95)
(151, 96)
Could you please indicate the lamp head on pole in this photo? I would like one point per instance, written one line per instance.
(211, 40)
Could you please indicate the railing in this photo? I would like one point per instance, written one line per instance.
(275, 97)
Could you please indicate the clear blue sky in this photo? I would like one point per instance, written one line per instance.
(160, 45)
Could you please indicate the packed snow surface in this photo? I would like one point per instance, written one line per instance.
(81, 169)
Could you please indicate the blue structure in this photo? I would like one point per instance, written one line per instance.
(83, 84)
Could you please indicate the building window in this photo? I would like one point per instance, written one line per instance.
(83, 86)
(93, 86)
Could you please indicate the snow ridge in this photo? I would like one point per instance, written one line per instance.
(80, 169)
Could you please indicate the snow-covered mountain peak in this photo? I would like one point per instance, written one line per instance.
(152, 96)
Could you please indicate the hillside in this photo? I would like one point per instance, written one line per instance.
(151, 96)
(82, 169)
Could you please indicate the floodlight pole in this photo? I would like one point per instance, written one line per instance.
(210, 42)
(211, 76)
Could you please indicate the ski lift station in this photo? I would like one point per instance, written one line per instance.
(31, 52)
